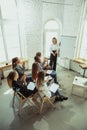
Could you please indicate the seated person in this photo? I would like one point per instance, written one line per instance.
(20, 86)
(20, 68)
(42, 87)
(44, 64)
(35, 71)
(53, 73)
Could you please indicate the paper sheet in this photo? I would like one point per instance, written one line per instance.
(48, 77)
(49, 71)
(31, 86)
(53, 88)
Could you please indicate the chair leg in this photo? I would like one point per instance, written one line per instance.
(13, 99)
(20, 103)
(51, 103)
(41, 106)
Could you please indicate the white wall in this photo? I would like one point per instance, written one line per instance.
(68, 13)
(37, 12)
(33, 27)
(71, 19)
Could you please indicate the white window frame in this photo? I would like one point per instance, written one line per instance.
(5, 21)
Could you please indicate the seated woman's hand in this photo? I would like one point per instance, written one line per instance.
(45, 71)
(45, 59)
(23, 64)
(48, 67)
(51, 82)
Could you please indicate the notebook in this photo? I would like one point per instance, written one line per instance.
(49, 71)
(53, 88)
(31, 86)
(48, 77)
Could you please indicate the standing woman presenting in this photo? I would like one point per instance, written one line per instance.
(54, 48)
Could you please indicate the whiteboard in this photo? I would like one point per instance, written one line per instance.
(67, 48)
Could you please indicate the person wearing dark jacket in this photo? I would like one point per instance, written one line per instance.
(20, 86)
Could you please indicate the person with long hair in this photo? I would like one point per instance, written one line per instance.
(42, 87)
(20, 68)
(53, 74)
(43, 63)
(54, 50)
(19, 85)
(35, 71)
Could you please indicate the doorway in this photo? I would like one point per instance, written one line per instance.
(52, 29)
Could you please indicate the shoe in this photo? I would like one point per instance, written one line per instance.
(56, 99)
(65, 98)
(60, 99)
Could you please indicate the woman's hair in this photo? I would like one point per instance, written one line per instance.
(54, 38)
(35, 70)
(14, 62)
(10, 78)
(38, 54)
(11, 75)
(36, 58)
(40, 79)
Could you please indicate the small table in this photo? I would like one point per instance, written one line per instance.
(9, 66)
(84, 67)
(80, 83)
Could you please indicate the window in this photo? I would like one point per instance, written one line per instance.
(83, 51)
(8, 8)
(12, 40)
(9, 31)
(2, 52)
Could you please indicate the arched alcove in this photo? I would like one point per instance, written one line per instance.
(52, 28)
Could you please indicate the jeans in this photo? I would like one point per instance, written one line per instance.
(53, 75)
(57, 93)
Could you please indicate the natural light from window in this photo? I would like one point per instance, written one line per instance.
(83, 52)
(9, 31)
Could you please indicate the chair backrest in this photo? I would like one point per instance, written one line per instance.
(9, 81)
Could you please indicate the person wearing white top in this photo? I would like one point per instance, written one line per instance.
(45, 90)
(54, 49)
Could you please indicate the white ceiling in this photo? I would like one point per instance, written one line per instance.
(71, 2)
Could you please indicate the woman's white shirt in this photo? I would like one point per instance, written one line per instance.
(54, 47)
(44, 90)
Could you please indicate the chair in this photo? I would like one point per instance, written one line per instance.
(45, 99)
(22, 98)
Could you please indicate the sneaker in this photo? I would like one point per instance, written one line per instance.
(60, 99)
(65, 98)
(56, 99)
